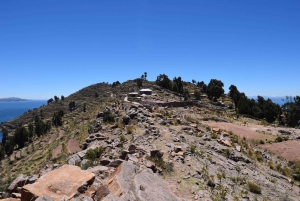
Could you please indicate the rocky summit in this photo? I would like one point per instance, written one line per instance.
(112, 143)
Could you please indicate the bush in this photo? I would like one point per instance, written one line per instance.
(93, 154)
(87, 165)
(193, 149)
(214, 136)
(167, 167)
(253, 187)
(122, 138)
(129, 129)
(279, 139)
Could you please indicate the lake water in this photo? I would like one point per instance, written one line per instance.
(11, 110)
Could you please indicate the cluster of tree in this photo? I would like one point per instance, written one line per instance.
(22, 135)
(57, 118)
(56, 98)
(202, 86)
(144, 76)
(139, 82)
(114, 84)
(291, 111)
(260, 108)
(176, 85)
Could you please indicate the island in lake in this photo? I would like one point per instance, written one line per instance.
(11, 99)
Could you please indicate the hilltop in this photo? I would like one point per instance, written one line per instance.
(107, 143)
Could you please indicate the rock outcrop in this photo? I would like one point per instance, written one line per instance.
(59, 184)
(128, 182)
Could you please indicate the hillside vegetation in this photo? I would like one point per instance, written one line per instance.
(207, 145)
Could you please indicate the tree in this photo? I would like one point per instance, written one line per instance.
(57, 118)
(114, 84)
(62, 97)
(163, 81)
(30, 130)
(177, 85)
(21, 136)
(193, 81)
(9, 146)
(197, 95)
(145, 75)
(50, 101)
(2, 152)
(72, 105)
(291, 110)
(234, 94)
(96, 95)
(139, 82)
(84, 107)
(56, 98)
(215, 89)
(5, 136)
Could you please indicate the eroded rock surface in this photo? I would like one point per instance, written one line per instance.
(59, 184)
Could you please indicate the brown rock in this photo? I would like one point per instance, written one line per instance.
(102, 192)
(61, 183)
(126, 183)
(18, 182)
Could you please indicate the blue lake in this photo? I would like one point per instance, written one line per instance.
(11, 110)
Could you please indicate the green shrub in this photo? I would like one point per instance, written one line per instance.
(214, 136)
(167, 167)
(279, 139)
(193, 149)
(253, 187)
(93, 154)
(87, 165)
(122, 138)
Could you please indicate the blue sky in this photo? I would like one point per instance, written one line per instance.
(55, 47)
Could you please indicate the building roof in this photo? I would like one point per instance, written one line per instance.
(145, 90)
(134, 93)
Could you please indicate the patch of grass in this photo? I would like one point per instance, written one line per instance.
(193, 149)
(94, 154)
(214, 136)
(129, 129)
(253, 187)
(122, 138)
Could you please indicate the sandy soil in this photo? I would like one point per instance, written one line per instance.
(73, 146)
(56, 151)
(287, 149)
(242, 131)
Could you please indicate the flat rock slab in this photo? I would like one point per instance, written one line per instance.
(59, 184)
(127, 183)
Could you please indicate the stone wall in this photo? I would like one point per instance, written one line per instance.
(170, 104)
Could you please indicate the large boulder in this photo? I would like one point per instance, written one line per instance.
(18, 182)
(128, 183)
(61, 183)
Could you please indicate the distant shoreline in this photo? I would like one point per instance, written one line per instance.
(12, 99)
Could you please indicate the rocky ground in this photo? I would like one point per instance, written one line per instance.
(148, 152)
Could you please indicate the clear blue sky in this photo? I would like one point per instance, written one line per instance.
(55, 47)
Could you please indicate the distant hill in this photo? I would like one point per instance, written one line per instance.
(11, 99)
